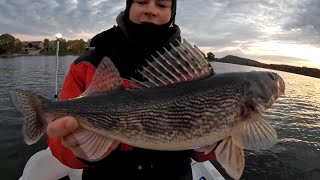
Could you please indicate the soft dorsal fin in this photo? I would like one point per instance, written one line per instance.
(180, 63)
(106, 78)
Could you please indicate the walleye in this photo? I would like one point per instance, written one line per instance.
(180, 106)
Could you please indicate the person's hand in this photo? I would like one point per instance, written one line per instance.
(66, 128)
(62, 127)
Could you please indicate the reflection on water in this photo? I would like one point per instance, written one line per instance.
(296, 118)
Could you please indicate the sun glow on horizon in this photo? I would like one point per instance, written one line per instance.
(273, 48)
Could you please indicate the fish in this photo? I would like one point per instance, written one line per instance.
(181, 104)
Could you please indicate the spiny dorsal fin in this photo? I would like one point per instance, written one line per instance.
(106, 78)
(181, 63)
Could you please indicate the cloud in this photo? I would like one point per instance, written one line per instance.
(209, 23)
(304, 25)
(70, 17)
(219, 25)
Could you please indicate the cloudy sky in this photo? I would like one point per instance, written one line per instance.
(270, 31)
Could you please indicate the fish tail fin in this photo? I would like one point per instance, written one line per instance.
(30, 105)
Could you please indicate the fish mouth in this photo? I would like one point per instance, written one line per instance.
(262, 93)
(272, 91)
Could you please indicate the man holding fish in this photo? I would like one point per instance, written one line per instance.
(145, 102)
(148, 25)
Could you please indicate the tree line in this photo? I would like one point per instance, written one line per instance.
(11, 45)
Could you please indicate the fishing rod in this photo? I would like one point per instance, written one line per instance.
(58, 36)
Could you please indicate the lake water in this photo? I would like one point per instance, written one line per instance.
(296, 118)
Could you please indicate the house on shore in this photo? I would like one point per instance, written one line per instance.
(32, 47)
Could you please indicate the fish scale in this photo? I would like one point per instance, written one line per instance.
(163, 116)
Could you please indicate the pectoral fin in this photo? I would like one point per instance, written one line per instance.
(254, 134)
(94, 145)
(231, 158)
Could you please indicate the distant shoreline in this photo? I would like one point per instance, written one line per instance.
(12, 55)
(306, 71)
(20, 55)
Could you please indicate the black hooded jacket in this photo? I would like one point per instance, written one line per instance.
(127, 53)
